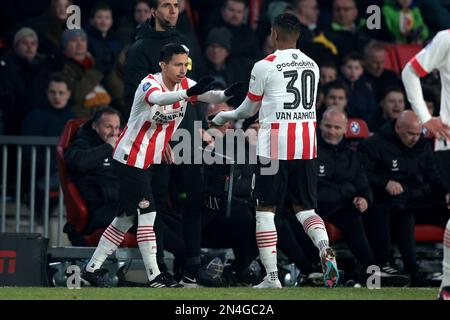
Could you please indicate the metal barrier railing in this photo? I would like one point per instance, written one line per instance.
(32, 142)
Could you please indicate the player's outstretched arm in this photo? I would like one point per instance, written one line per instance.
(413, 89)
(216, 96)
(247, 109)
(166, 98)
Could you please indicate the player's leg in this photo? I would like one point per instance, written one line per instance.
(303, 195)
(444, 293)
(268, 192)
(111, 238)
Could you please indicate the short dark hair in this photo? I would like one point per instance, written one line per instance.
(355, 56)
(100, 6)
(59, 77)
(390, 89)
(288, 25)
(168, 50)
(335, 85)
(153, 4)
(328, 64)
(104, 110)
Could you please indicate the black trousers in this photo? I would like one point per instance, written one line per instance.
(350, 222)
(187, 196)
(236, 232)
(389, 223)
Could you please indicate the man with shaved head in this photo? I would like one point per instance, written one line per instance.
(344, 192)
(407, 188)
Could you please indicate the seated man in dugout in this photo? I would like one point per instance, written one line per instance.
(88, 160)
(407, 186)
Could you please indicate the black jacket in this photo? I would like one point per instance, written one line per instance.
(143, 57)
(88, 159)
(341, 176)
(217, 179)
(387, 158)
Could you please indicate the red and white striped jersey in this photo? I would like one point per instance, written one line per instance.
(286, 82)
(436, 55)
(150, 126)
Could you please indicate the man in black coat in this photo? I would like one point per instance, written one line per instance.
(89, 163)
(344, 191)
(407, 187)
(143, 55)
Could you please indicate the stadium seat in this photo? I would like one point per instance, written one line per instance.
(428, 233)
(404, 53)
(334, 234)
(77, 212)
(391, 62)
(357, 130)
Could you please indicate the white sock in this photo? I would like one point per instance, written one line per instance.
(314, 227)
(146, 239)
(446, 260)
(111, 238)
(266, 239)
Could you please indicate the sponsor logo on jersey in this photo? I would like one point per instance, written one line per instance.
(146, 86)
(296, 64)
(294, 56)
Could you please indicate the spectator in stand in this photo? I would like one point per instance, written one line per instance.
(328, 72)
(102, 42)
(48, 120)
(113, 83)
(232, 17)
(390, 107)
(436, 14)
(88, 94)
(407, 188)
(346, 31)
(335, 95)
(50, 27)
(312, 41)
(129, 24)
(24, 79)
(361, 101)
(220, 65)
(375, 74)
(404, 20)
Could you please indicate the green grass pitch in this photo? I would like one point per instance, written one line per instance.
(217, 294)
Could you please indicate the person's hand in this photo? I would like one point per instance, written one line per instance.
(439, 129)
(112, 141)
(219, 120)
(360, 204)
(203, 85)
(234, 89)
(394, 188)
(447, 200)
(168, 156)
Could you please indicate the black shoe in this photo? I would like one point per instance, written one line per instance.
(248, 277)
(95, 279)
(171, 282)
(206, 279)
(304, 281)
(202, 279)
(391, 277)
(163, 280)
(444, 294)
